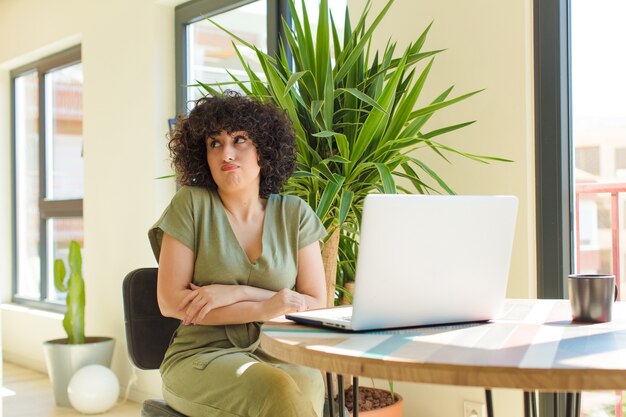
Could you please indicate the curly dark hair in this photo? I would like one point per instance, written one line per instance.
(267, 126)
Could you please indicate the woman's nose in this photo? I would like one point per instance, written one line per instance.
(228, 153)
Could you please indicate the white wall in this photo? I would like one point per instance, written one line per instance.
(128, 61)
(488, 45)
(128, 58)
(5, 208)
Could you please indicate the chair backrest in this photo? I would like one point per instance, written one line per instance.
(148, 333)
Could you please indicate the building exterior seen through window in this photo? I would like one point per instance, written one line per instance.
(48, 171)
(599, 130)
(26, 121)
(209, 52)
(599, 143)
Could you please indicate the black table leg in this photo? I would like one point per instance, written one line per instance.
(530, 404)
(355, 396)
(572, 404)
(568, 404)
(489, 403)
(578, 397)
(341, 394)
(331, 400)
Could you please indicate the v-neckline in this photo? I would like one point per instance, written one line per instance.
(234, 235)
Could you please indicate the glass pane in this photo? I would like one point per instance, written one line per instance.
(64, 133)
(599, 133)
(27, 185)
(60, 232)
(210, 52)
(599, 140)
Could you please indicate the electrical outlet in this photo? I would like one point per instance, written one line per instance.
(473, 409)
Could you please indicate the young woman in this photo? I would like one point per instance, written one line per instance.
(233, 253)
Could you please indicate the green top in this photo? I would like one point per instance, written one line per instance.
(197, 218)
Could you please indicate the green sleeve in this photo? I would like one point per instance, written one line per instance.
(311, 228)
(177, 221)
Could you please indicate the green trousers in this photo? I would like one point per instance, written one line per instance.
(242, 384)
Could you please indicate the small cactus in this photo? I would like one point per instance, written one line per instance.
(74, 320)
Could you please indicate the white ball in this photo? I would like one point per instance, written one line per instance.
(93, 389)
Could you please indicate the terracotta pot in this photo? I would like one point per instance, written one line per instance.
(394, 410)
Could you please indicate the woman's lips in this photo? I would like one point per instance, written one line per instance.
(229, 167)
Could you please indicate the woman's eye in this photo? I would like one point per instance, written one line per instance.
(240, 139)
(214, 144)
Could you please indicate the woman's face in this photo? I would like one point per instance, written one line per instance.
(233, 161)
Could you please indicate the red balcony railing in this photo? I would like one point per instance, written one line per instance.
(614, 189)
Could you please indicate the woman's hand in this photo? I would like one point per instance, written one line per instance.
(283, 302)
(201, 300)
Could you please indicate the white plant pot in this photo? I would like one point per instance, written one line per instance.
(63, 360)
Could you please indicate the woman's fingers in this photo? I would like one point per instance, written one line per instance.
(299, 301)
(191, 313)
(188, 299)
(198, 307)
(201, 314)
(293, 301)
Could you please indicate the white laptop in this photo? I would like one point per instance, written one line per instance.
(426, 260)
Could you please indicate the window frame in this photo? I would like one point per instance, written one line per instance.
(553, 147)
(553, 159)
(195, 10)
(48, 208)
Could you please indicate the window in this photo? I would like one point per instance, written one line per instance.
(48, 172)
(211, 56)
(205, 53)
(598, 130)
(575, 112)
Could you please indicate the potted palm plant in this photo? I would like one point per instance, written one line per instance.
(66, 356)
(358, 119)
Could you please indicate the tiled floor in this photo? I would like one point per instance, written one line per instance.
(27, 393)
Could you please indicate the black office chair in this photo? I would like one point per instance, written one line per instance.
(148, 333)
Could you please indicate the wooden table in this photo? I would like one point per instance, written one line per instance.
(532, 345)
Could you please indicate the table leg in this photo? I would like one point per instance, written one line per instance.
(341, 394)
(553, 404)
(530, 404)
(331, 400)
(572, 404)
(527, 406)
(355, 396)
(489, 403)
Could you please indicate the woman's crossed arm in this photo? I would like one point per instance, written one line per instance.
(232, 304)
